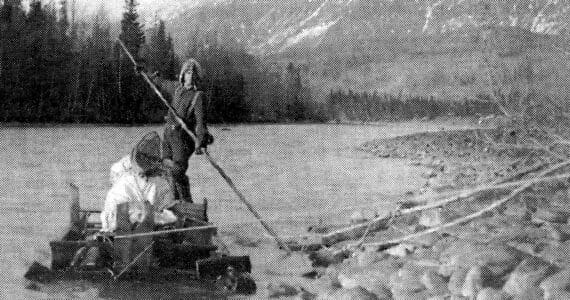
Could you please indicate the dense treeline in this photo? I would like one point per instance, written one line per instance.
(365, 107)
(53, 69)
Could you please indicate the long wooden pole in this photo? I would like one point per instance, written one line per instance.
(228, 180)
(159, 94)
(249, 206)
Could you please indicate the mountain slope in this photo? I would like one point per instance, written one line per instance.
(275, 26)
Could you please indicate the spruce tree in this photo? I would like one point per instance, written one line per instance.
(158, 56)
(132, 33)
(160, 52)
(133, 90)
(11, 25)
(63, 20)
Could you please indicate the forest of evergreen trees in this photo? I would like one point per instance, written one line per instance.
(56, 69)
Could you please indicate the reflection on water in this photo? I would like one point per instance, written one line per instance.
(294, 175)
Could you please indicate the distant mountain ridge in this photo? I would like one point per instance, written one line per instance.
(277, 26)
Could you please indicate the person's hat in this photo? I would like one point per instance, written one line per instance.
(191, 65)
(146, 153)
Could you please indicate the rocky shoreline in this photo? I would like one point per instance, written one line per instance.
(519, 250)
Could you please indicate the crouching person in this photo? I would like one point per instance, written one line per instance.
(137, 202)
(139, 189)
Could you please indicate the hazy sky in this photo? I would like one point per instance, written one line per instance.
(147, 8)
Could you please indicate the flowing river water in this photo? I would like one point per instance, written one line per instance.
(294, 175)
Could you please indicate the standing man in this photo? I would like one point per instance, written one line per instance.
(177, 145)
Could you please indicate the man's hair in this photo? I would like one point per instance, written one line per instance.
(195, 68)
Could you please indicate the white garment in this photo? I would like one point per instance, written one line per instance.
(120, 168)
(135, 189)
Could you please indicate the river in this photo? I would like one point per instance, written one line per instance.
(295, 175)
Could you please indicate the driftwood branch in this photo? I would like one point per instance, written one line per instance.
(503, 184)
(356, 231)
(521, 174)
(477, 214)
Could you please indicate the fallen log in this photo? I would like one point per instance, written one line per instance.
(380, 223)
(519, 175)
(356, 231)
(305, 247)
(472, 216)
(502, 184)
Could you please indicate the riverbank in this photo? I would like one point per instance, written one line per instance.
(473, 248)
(296, 175)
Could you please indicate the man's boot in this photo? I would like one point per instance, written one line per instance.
(183, 189)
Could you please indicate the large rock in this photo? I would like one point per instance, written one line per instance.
(498, 258)
(456, 281)
(410, 295)
(357, 217)
(431, 217)
(474, 281)
(367, 257)
(558, 232)
(551, 214)
(407, 280)
(327, 256)
(517, 210)
(530, 294)
(427, 240)
(444, 243)
(401, 250)
(306, 295)
(529, 248)
(492, 294)
(281, 290)
(556, 283)
(526, 276)
(382, 292)
(558, 295)
(370, 276)
(434, 282)
(356, 293)
(520, 233)
(557, 254)
(438, 297)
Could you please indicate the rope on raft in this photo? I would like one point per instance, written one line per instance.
(163, 232)
(127, 267)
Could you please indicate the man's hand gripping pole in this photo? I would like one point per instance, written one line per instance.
(159, 94)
